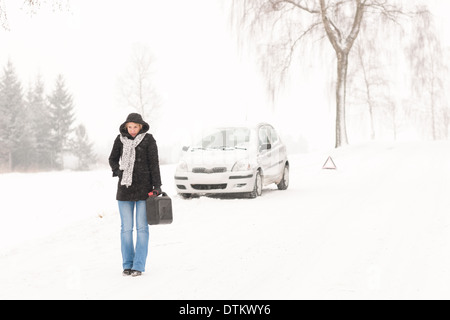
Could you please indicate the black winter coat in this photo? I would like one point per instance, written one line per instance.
(146, 173)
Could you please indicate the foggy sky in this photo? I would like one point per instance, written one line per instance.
(200, 74)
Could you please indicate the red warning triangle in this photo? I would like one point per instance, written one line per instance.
(329, 164)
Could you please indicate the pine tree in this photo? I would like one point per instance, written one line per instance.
(41, 126)
(62, 118)
(11, 110)
(81, 147)
(23, 150)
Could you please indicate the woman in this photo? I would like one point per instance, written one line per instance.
(134, 159)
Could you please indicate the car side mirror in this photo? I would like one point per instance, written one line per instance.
(185, 148)
(265, 146)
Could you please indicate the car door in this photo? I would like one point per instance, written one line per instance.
(266, 156)
(278, 153)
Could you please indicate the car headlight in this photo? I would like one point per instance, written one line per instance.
(242, 165)
(182, 167)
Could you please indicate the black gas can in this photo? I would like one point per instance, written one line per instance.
(159, 210)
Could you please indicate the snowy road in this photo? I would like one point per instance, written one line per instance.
(378, 227)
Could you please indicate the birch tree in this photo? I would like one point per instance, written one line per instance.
(339, 21)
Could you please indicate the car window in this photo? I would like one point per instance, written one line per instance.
(273, 136)
(263, 136)
(226, 138)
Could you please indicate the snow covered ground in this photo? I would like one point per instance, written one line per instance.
(378, 227)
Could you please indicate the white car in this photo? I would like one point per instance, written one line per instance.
(234, 160)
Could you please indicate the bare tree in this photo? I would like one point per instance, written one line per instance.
(392, 111)
(291, 21)
(54, 4)
(446, 105)
(32, 6)
(428, 67)
(3, 15)
(364, 80)
(370, 78)
(137, 84)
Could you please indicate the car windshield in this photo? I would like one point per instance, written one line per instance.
(224, 138)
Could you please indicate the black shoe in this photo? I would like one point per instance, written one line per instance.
(126, 272)
(135, 273)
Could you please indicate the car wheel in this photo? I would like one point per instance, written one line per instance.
(257, 189)
(284, 183)
(185, 195)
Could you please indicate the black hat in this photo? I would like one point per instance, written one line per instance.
(136, 118)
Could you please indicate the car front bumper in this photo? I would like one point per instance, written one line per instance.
(212, 183)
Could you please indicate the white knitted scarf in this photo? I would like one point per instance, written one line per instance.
(128, 158)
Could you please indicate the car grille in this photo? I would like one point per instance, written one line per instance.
(213, 170)
(209, 186)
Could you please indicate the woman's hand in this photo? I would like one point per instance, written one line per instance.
(155, 192)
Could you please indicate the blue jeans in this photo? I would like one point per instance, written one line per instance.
(134, 259)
